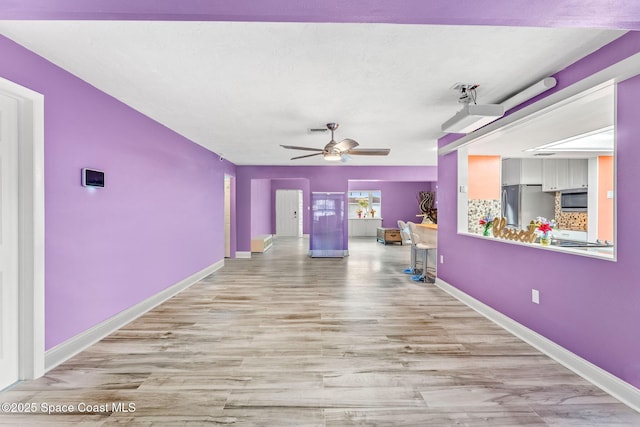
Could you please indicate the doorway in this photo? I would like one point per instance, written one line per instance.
(9, 329)
(227, 216)
(22, 271)
(289, 213)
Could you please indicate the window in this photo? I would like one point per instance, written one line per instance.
(362, 202)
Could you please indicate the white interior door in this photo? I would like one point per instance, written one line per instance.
(289, 213)
(8, 241)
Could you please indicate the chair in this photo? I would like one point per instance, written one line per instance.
(412, 268)
(404, 232)
(420, 248)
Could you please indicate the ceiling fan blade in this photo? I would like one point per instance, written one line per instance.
(369, 152)
(345, 145)
(307, 155)
(295, 147)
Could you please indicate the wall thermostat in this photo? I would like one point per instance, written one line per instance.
(92, 178)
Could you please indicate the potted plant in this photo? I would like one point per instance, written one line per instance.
(487, 222)
(372, 212)
(544, 226)
(364, 203)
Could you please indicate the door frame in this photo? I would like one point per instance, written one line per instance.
(31, 345)
(227, 211)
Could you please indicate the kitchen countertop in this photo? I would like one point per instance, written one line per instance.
(579, 244)
(600, 252)
(430, 226)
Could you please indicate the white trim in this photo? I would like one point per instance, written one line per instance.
(585, 252)
(462, 190)
(226, 184)
(75, 345)
(609, 383)
(243, 254)
(592, 196)
(31, 228)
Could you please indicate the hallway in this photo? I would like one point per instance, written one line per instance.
(283, 339)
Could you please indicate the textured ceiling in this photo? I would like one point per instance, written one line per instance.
(241, 89)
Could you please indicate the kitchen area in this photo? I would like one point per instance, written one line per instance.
(555, 189)
(557, 169)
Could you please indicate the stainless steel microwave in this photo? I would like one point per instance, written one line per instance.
(574, 201)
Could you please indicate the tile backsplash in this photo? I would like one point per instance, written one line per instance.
(570, 220)
(479, 208)
(577, 221)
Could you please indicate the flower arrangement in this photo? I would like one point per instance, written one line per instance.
(364, 204)
(544, 226)
(487, 222)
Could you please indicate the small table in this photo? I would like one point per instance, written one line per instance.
(388, 235)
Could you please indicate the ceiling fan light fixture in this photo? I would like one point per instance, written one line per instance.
(338, 151)
(333, 157)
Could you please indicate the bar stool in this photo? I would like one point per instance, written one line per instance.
(415, 253)
(420, 248)
(412, 267)
(404, 232)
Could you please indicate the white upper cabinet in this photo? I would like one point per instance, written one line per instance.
(521, 171)
(555, 174)
(564, 174)
(578, 173)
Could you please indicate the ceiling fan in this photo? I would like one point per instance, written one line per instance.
(335, 151)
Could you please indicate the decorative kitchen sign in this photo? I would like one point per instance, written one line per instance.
(500, 231)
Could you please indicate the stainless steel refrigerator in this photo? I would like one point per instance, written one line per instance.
(523, 203)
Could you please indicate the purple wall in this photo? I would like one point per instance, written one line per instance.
(321, 178)
(158, 220)
(398, 198)
(588, 306)
(261, 207)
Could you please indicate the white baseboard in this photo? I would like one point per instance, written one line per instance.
(75, 345)
(243, 254)
(609, 383)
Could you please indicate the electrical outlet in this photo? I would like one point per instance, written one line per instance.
(441, 259)
(535, 296)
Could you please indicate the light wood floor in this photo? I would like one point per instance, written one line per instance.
(285, 340)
